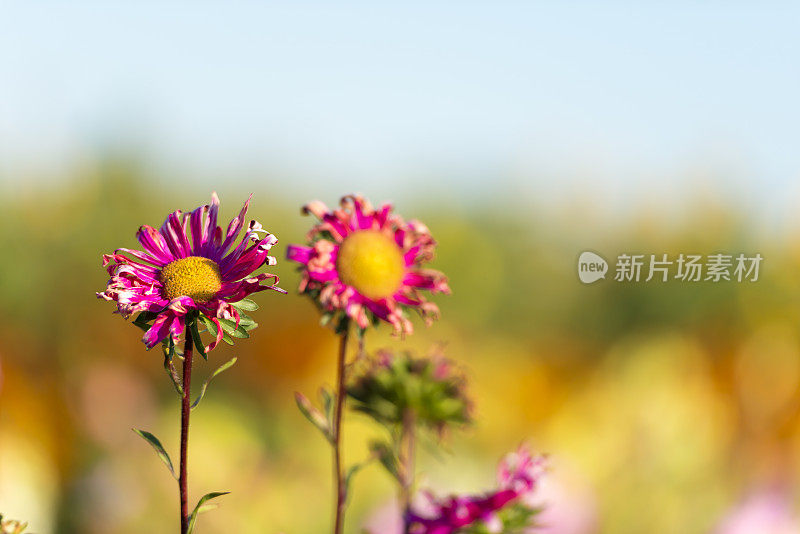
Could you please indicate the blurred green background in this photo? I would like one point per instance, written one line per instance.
(522, 134)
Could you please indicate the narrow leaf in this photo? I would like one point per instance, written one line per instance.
(169, 366)
(246, 321)
(200, 508)
(351, 473)
(221, 368)
(198, 343)
(207, 508)
(313, 415)
(143, 320)
(229, 326)
(343, 325)
(156, 444)
(209, 324)
(387, 458)
(214, 330)
(245, 304)
(326, 397)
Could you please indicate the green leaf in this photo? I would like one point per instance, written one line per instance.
(143, 320)
(245, 304)
(209, 324)
(207, 508)
(198, 342)
(214, 330)
(229, 326)
(221, 368)
(314, 416)
(343, 325)
(351, 473)
(247, 322)
(326, 397)
(200, 508)
(387, 457)
(169, 354)
(156, 444)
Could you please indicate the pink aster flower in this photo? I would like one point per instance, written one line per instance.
(190, 265)
(517, 477)
(368, 264)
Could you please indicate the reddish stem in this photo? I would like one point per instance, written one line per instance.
(341, 490)
(185, 411)
(407, 448)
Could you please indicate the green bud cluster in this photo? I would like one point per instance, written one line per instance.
(395, 386)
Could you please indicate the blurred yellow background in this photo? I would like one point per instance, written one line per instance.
(673, 398)
(521, 133)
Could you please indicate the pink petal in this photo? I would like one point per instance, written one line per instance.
(199, 229)
(154, 243)
(175, 235)
(235, 227)
(299, 253)
(159, 330)
(138, 254)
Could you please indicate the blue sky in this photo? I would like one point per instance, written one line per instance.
(540, 98)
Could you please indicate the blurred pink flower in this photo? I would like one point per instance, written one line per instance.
(518, 476)
(520, 472)
(387, 519)
(568, 505)
(766, 512)
(174, 276)
(367, 264)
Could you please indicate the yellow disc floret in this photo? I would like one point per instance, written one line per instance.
(194, 277)
(372, 263)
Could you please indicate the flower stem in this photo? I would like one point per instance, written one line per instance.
(406, 461)
(185, 411)
(341, 490)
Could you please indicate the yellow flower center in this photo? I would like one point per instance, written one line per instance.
(194, 277)
(372, 263)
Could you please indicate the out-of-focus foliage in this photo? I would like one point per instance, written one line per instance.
(662, 404)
